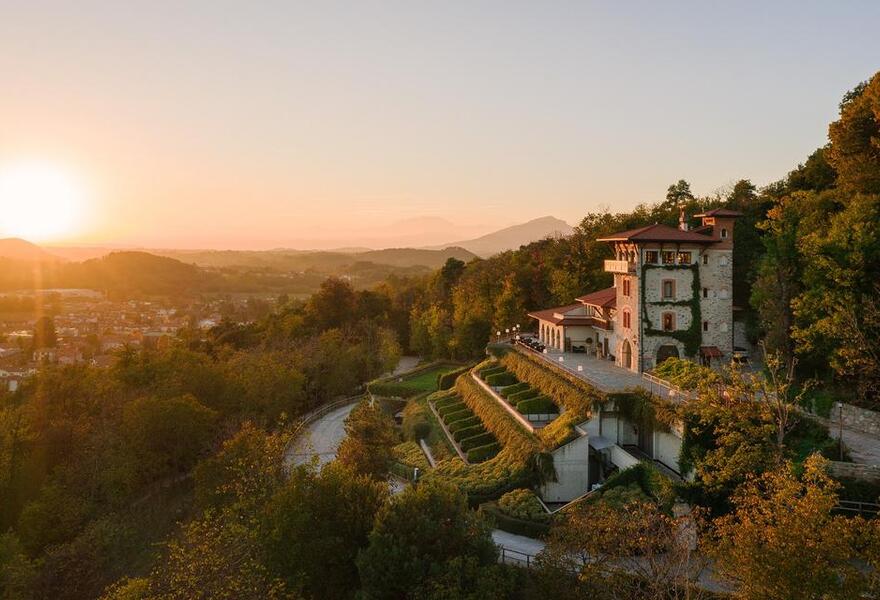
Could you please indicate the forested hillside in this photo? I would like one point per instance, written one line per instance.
(162, 476)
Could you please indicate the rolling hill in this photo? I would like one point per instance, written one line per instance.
(18, 249)
(511, 238)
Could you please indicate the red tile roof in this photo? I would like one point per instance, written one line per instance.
(719, 212)
(549, 314)
(606, 298)
(657, 233)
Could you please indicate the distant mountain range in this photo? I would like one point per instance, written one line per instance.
(511, 238)
(18, 249)
(162, 272)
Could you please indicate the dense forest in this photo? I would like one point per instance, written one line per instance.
(163, 476)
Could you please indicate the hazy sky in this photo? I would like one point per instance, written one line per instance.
(258, 124)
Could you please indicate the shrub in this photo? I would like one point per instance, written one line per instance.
(452, 407)
(501, 379)
(447, 380)
(470, 421)
(483, 453)
(523, 395)
(539, 405)
(462, 413)
(684, 373)
(570, 392)
(416, 425)
(410, 454)
(495, 418)
(491, 370)
(523, 504)
(504, 522)
(468, 432)
(513, 389)
(476, 441)
(446, 400)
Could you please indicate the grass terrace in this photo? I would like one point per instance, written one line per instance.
(426, 379)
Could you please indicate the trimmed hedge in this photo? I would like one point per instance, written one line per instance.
(475, 441)
(462, 413)
(447, 380)
(483, 453)
(513, 389)
(496, 419)
(463, 423)
(467, 432)
(569, 392)
(491, 370)
(532, 529)
(451, 408)
(539, 405)
(416, 425)
(446, 400)
(523, 395)
(501, 379)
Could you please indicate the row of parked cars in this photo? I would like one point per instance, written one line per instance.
(531, 342)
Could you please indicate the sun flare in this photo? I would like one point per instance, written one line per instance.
(39, 201)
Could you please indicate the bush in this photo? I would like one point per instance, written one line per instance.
(491, 370)
(468, 432)
(570, 392)
(684, 373)
(504, 522)
(523, 504)
(416, 425)
(501, 379)
(513, 389)
(462, 413)
(446, 400)
(447, 380)
(514, 399)
(483, 453)
(410, 454)
(539, 405)
(463, 423)
(450, 408)
(476, 441)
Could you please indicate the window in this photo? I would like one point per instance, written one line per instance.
(668, 289)
(684, 258)
(705, 259)
(668, 321)
(725, 294)
(652, 257)
(668, 257)
(705, 325)
(627, 323)
(723, 233)
(626, 286)
(723, 261)
(724, 327)
(705, 292)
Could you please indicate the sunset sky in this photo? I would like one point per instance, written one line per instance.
(257, 125)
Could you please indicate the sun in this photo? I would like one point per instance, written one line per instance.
(39, 201)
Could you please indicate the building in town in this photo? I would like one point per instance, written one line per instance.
(672, 296)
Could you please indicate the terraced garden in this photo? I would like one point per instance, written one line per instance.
(527, 400)
(467, 429)
(429, 378)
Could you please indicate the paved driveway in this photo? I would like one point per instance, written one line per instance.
(321, 439)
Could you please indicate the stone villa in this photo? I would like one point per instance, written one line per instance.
(672, 296)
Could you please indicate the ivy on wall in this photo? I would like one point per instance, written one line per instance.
(690, 337)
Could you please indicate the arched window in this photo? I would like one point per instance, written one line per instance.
(723, 233)
(627, 319)
(668, 321)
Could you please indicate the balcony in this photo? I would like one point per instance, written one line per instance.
(620, 266)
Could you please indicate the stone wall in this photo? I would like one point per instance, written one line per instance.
(854, 471)
(857, 418)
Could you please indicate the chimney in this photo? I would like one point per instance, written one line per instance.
(682, 222)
